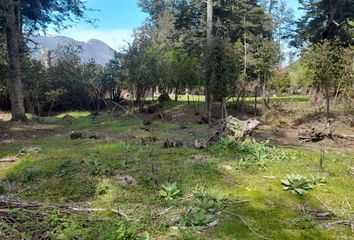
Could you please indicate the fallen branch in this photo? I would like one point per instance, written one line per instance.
(324, 204)
(23, 151)
(9, 159)
(343, 136)
(127, 110)
(246, 224)
(7, 205)
(342, 222)
(238, 202)
(269, 177)
(166, 210)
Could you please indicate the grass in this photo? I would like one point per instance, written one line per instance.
(252, 206)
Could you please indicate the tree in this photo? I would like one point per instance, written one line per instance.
(325, 20)
(326, 62)
(11, 11)
(209, 69)
(21, 17)
(114, 76)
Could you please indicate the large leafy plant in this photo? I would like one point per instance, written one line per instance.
(169, 191)
(296, 184)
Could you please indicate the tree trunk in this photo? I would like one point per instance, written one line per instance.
(245, 47)
(208, 92)
(13, 33)
(327, 104)
(176, 94)
(255, 101)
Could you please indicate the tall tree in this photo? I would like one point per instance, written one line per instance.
(325, 20)
(11, 11)
(23, 17)
(209, 70)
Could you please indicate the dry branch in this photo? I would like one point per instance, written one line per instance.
(9, 159)
(7, 205)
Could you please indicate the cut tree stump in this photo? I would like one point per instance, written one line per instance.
(239, 129)
(234, 128)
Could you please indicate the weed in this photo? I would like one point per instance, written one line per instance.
(261, 153)
(296, 184)
(169, 191)
(196, 218)
(147, 236)
(283, 155)
(65, 168)
(242, 163)
(304, 223)
(32, 175)
(318, 180)
(102, 189)
(98, 168)
(11, 177)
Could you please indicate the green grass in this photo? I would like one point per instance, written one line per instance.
(80, 171)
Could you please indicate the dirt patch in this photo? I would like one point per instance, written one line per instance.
(199, 159)
(125, 180)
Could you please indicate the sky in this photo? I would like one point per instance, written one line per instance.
(116, 21)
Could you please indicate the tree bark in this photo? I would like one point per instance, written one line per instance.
(209, 71)
(12, 11)
(327, 104)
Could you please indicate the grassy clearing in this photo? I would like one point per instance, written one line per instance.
(237, 184)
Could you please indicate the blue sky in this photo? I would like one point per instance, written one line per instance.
(116, 21)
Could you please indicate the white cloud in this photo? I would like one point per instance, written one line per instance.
(115, 38)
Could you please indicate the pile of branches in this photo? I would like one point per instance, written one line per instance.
(319, 133)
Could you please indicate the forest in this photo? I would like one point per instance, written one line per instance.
(220, 119)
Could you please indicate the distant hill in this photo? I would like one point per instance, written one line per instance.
(93, 49)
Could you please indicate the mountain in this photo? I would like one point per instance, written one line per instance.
(93, 49)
